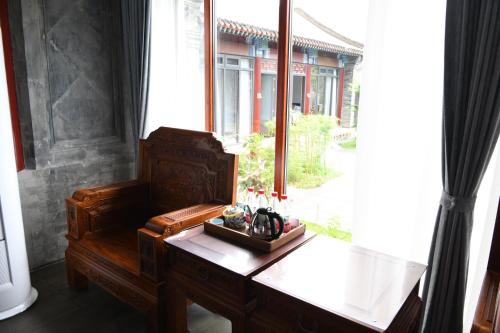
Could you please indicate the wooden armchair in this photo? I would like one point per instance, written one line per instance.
(115, 232)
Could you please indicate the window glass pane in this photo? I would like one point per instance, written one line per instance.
(230, 110)
(232, 61)
(177, 74)
(245, 116)
(319, 168)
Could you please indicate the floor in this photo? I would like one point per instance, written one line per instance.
(60, 309)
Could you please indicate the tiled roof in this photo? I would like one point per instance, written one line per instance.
(248, 30)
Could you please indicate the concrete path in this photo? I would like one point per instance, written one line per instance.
(334, 199)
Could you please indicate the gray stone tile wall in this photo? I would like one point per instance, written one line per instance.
(74, 106)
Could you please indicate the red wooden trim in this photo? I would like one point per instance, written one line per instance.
(282, 95)
(209, 64)
(340, 96)
(257, 95)
(307, 102)
(11, 86)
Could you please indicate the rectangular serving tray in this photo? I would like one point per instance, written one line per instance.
(242, 238)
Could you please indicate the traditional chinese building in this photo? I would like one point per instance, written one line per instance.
(322, 74)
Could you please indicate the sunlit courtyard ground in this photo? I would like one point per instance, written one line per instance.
(332, 202)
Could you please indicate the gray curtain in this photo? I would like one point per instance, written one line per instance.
(471, 125)
(136, 22)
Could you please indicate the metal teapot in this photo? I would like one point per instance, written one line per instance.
(264, 222)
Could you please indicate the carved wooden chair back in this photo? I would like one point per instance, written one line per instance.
(185, 168)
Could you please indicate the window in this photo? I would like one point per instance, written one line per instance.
(235, 85)
(245, 86)
(324, 91)
(282, 104)
(177, 82)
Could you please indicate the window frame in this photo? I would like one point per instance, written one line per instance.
(282, 84)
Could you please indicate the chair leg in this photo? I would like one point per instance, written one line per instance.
(76, 280)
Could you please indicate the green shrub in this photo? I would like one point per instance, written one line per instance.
(308, 139)
(256, 163)
(351, 144)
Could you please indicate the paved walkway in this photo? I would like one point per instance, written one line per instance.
(334, 199)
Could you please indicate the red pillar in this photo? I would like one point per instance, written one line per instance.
(340, 95)
(11, 84)
(307, 102)
(257, 94)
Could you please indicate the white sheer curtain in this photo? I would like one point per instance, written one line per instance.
(398, 184)
(176, 96)
(398, 166)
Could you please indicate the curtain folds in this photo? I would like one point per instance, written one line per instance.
(136, 24)
(471, 126)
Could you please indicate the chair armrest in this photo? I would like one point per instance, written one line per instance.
(171, 223)
(151, 247)
(98, 208)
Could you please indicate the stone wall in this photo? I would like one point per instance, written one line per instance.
(347, 95)
(71, 99)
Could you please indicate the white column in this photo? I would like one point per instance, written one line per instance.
(16, 293)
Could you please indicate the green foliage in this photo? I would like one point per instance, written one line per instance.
(331, 229)
(351, 144)
(308, 139)
(256, 163)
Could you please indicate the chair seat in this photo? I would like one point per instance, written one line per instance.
(117, 246)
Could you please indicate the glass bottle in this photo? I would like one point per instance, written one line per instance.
(275, 202)
(250, 198)
(285, 212)
(261, 199)
(250, 202)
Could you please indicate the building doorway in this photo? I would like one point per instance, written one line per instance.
(298, 90)
(268, 110)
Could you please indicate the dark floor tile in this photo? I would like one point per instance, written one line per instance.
(60, 309)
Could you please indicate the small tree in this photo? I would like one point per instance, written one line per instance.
(309, 138)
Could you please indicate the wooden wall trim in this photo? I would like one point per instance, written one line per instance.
(282, 94)
(11, 86)
(284, 47)
(209, 33)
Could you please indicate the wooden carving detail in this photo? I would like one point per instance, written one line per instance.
(178, 184)
(186, 168)
(113, 285)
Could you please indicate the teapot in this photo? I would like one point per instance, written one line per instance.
(263, 225)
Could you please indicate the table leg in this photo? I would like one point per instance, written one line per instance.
(176, 311)
(239, 325)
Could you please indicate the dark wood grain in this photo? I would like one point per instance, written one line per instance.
(331, 286)
(227, 255)
(216, 274)
(487, 315)
(115, 232)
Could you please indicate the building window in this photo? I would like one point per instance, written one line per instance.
(324, 91)
(234, 97)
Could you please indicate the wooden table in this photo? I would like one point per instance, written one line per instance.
(215, 274)
(332, 286)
